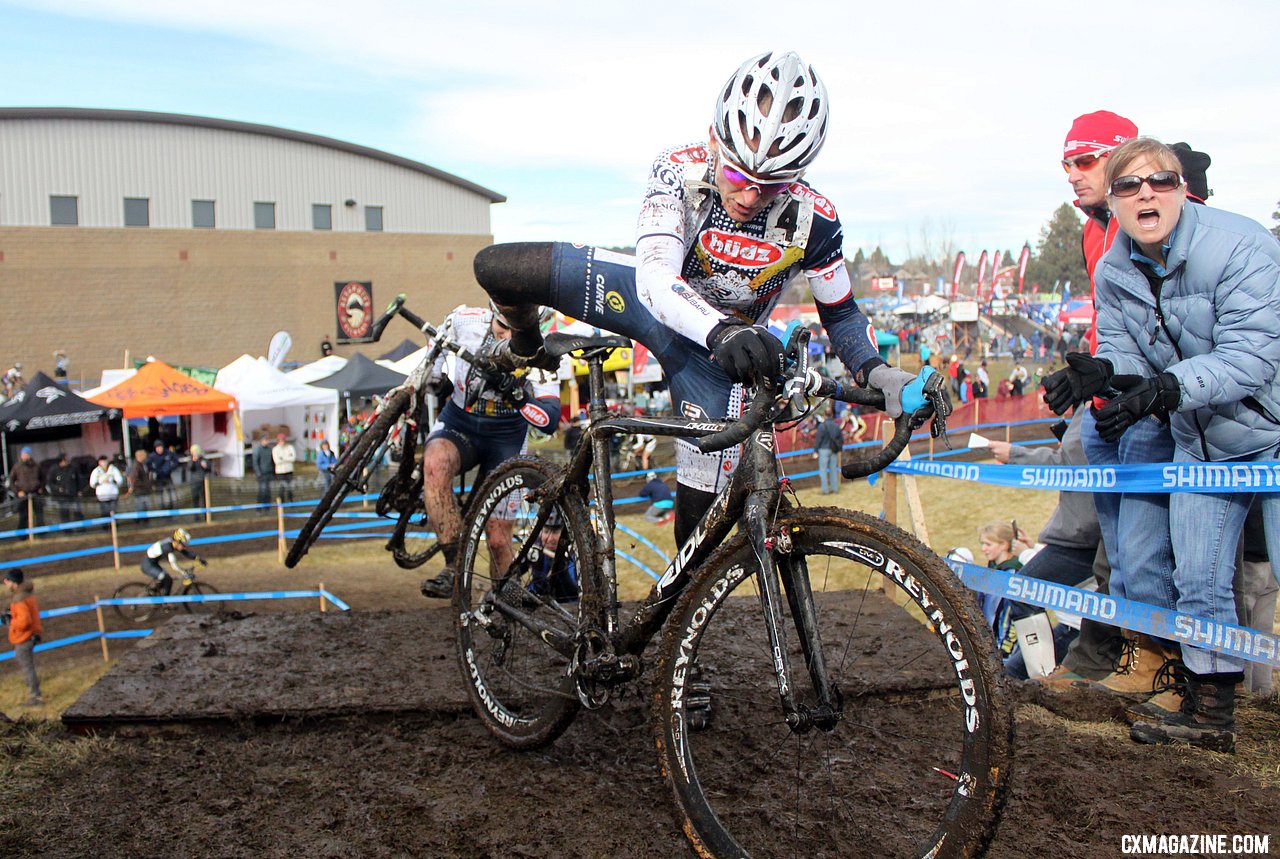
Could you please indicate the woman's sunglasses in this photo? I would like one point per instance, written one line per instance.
(1163, 180)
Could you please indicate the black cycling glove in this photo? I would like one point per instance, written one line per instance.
(747, 353)
(1139, 397)
(1082, 378)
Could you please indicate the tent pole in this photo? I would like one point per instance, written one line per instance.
(4, 450)
(124, 430)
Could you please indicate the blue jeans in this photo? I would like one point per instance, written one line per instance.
(1206, 533)
(1135, 527)
(829, 471)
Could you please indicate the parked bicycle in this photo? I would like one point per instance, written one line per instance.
(843, 720)
(394, 432)
(142, 612)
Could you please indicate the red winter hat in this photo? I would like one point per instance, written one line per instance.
(1097, 131)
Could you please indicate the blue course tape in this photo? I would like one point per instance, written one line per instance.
(643, 568)
(1160, 478)
(631, 532)
(1249, 644)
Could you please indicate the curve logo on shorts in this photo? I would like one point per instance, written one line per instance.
(615, 302)
(739, 250)
(534, 415)
(821, 204)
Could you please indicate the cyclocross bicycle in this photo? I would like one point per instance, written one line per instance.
(142, 612)
(394, 431)
(858, 707)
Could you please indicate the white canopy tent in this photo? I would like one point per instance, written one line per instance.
(322, 369)
(269, 397)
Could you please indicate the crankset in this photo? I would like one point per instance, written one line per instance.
(597, 669)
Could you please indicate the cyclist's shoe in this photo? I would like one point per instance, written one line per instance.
(441, 587)
(698, 709)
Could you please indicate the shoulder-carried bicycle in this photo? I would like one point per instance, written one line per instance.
(393, 431)
(858, 707)
(142, 612)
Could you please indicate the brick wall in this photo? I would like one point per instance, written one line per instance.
(204, 297)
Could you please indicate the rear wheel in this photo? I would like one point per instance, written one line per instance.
(348, 475)
(135, 613)
(913, 757)
(520, 685)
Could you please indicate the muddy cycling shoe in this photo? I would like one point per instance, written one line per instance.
(441, 587)
(697, 699)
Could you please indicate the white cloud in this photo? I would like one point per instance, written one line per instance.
(943, 111)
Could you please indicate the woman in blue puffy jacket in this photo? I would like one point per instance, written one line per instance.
(1188, 304)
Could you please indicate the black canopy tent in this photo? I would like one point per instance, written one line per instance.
(406, 348)
(46, 411)
(361, 378)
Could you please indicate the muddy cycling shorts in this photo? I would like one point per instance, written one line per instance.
(598, 287)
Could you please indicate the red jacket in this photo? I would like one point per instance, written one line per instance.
(1097, 240)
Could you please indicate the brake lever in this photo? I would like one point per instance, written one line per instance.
(935, 394)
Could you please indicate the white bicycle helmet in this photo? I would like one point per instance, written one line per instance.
(771, 116)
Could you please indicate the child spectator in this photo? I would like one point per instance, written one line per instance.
(23, 619)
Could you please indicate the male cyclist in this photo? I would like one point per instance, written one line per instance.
(724, 226)
(485, 421)
(169, 549)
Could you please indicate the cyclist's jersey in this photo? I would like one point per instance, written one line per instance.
(695, 263)
(492, 411)
(165, 549)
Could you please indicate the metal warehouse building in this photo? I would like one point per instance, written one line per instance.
(126, 234)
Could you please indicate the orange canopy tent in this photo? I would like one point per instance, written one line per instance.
(157, 390)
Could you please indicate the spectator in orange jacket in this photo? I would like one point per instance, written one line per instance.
(23, 618)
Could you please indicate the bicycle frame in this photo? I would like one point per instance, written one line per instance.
(750, 499)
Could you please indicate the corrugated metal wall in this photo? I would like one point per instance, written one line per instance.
(101, 162)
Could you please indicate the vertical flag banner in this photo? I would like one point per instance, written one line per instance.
(1022, 266)
(955, 278)
(982, 274)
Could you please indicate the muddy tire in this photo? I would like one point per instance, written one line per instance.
(916, 759)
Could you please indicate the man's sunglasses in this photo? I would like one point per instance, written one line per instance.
(1084, 163)
(742, 181)
(1127, 186)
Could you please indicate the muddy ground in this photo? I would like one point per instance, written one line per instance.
(311, 740)
(349, 736)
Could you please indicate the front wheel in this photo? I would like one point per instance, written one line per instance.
(348, 474)
(201, 589)
(510, 603)
(135, 613)
(911, 756)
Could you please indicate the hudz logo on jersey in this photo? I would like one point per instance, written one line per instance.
(739, 250)
(821, 204)
(689, 155)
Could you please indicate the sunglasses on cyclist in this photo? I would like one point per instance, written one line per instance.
(1086, 162)
(1163, 180)
(742, 181)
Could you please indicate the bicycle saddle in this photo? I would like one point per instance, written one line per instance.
(558, 343)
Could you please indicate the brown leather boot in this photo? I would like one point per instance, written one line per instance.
(1170, 689)
(1135, 677)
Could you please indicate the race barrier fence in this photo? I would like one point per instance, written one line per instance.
(103, 634)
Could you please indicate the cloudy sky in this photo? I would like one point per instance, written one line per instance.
(947, 118)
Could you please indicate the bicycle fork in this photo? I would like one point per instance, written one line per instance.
(773, 551)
